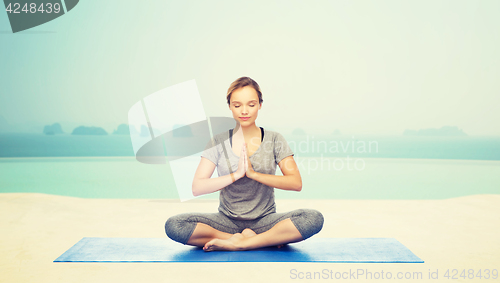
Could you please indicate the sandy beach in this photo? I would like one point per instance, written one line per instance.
(457, 233)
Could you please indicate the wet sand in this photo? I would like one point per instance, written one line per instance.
(458, 233)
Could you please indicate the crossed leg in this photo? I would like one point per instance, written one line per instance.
(275, 229)
(282, 233)
(203, 233)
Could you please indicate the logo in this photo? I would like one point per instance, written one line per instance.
(170, 126)
(24, 15)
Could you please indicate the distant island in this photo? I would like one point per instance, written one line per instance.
(443, 131)
(82, 130)
(180, 130)
(53, 129)
(123, 129)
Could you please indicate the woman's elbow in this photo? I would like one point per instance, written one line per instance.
(197, 188)
(194, 190)
(295, 183)
(298, 188)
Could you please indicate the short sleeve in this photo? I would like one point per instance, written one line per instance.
(281, 148)
(211, 152)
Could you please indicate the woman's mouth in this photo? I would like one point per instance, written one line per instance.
(244, 118)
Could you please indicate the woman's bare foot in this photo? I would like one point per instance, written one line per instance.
(231, 244)
(250, 233)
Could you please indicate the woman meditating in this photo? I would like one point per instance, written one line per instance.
(246, 159)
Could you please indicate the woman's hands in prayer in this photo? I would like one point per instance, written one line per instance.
(249, 169)
(244, 164)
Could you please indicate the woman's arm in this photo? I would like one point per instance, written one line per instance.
(204, 184)
(290, 180)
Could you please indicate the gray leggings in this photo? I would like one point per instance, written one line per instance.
(180, 227)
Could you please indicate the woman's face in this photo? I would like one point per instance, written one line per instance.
(245, 103)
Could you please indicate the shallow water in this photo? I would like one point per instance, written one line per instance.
(322, 178)
(467, 147)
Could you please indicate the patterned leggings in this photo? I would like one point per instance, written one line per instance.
(180, 227)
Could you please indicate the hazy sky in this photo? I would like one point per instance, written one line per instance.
(375, 67)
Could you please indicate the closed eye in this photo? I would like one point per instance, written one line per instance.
(239, 106)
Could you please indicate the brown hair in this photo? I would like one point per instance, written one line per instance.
(243, 82)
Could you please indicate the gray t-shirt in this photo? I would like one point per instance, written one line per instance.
(247, 199)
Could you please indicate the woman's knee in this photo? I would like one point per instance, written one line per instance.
(312, 221)
(318, 219)
(178, 228)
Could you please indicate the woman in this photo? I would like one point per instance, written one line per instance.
(247, 217)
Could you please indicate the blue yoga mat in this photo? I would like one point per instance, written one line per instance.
(91, 249)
